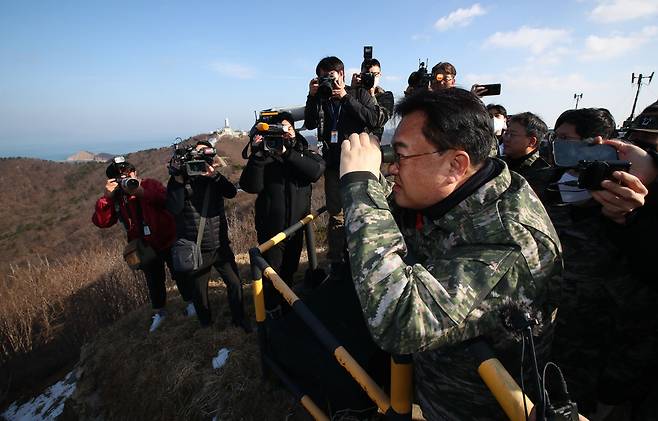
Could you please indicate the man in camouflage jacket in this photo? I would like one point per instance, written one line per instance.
(462, 241)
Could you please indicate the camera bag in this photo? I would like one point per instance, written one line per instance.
(137, 253)
(185, 254)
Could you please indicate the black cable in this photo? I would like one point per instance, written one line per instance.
(540, 413)
(563, 383)
(525, 405)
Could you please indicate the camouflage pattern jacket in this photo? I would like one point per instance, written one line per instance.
(428, 290)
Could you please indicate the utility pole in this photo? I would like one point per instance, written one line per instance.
(637, 94)
(577, 97)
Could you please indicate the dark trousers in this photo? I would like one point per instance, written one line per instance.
(155, 280)
(284, 259)
(223, 261)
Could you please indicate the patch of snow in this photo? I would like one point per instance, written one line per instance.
(221, 358)
(47, 406)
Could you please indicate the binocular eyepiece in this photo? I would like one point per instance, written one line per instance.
(388, 154)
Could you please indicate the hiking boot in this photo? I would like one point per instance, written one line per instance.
(158, 318)
(189, 311)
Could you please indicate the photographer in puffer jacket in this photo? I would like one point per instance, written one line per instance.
(282, 176)
(185, 197)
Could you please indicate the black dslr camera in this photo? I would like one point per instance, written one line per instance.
(326, 85)
(594, 162)
(188, 161)
(367, 79)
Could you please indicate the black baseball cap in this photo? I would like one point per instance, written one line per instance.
(118, 165)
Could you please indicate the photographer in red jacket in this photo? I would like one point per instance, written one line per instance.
(140, 206)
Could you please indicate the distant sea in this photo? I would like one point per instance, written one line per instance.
(59, 151)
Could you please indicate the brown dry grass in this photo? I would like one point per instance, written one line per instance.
(50, 309)
(129, 374)
(68, 279)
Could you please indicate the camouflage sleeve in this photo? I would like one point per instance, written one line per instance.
(407, 307)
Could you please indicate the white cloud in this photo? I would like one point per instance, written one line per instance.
(536, 40)
(615, 45)
(233, 70)
(623, 10)
(420, 37)
(460, 17)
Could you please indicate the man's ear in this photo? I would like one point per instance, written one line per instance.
(534, 143)
(459, 165)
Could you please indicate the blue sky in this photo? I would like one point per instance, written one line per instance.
(122, 76)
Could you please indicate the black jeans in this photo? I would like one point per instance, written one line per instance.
(155, 280)
(284, 259)
(223, 261)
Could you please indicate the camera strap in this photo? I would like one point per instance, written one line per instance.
(117, 210)
(334, 114)
(202, 221)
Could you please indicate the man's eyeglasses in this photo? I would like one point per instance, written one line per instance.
(397, 158)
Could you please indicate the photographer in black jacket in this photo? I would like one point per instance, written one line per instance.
(185, 197)
(369, 78)
(283, 179)
(337, 111)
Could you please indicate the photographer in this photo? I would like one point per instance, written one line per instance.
(604, 310)
(282, 178)
(140, 206)
(185, 200)
(337, 111)
(444, 76)
(369, 78)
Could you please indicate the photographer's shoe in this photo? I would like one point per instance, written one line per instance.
(158, 318)
(189, 311)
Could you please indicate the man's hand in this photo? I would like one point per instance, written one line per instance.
(356, 80)
(620, 199)
(339, 89)
(313, 87)
(360, 153)
(210, 171)
(110, 187)
(642, 165)
(478, 90)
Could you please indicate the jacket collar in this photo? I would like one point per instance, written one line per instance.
(482, 195)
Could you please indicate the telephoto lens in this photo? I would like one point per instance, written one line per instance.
(129, 183)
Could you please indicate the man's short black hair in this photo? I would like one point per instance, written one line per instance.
(204, 143)
(590, 122)
(368, 63)
(329, 64)
(533, 125)
(497, 109)
(456, 119)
